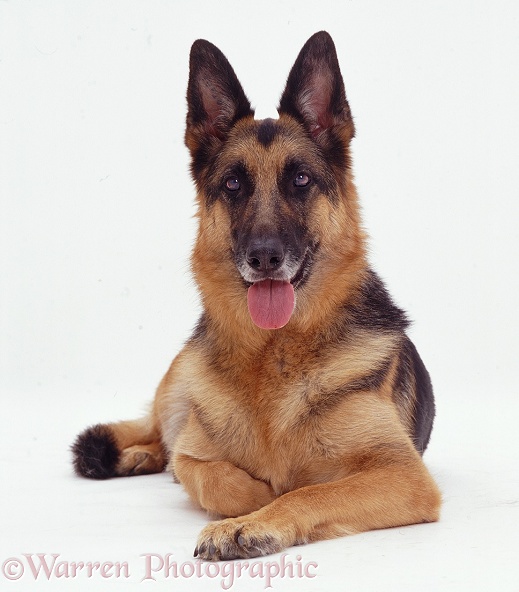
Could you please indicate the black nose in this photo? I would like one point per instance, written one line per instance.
(265, 253)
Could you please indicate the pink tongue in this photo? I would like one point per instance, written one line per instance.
(271, 303)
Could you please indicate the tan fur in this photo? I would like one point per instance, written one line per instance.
(280, 431)
(249, 439)
(245, 440)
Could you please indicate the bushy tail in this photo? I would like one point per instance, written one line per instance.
(119, 449)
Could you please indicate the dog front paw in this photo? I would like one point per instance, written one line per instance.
(238, 539)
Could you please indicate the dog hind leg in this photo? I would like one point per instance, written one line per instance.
(119, 449)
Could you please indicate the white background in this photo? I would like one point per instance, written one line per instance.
(96, 226)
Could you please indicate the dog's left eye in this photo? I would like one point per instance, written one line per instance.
(232, 184)
(302, 180)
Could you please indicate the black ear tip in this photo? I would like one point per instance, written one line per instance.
(322, 36)
(322, 42)
(202, 48)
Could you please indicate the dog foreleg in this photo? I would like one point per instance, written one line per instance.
(220, 487)
(394, 495)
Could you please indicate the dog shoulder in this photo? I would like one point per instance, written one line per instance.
(373, 308)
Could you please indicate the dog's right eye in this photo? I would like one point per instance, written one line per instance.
(232, 184)
(302, 180)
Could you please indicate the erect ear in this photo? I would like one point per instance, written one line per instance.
(314, 93)
(214, 95)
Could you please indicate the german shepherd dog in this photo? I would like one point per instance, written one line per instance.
(299, 409)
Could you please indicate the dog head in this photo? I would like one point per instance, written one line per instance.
(275, 196)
